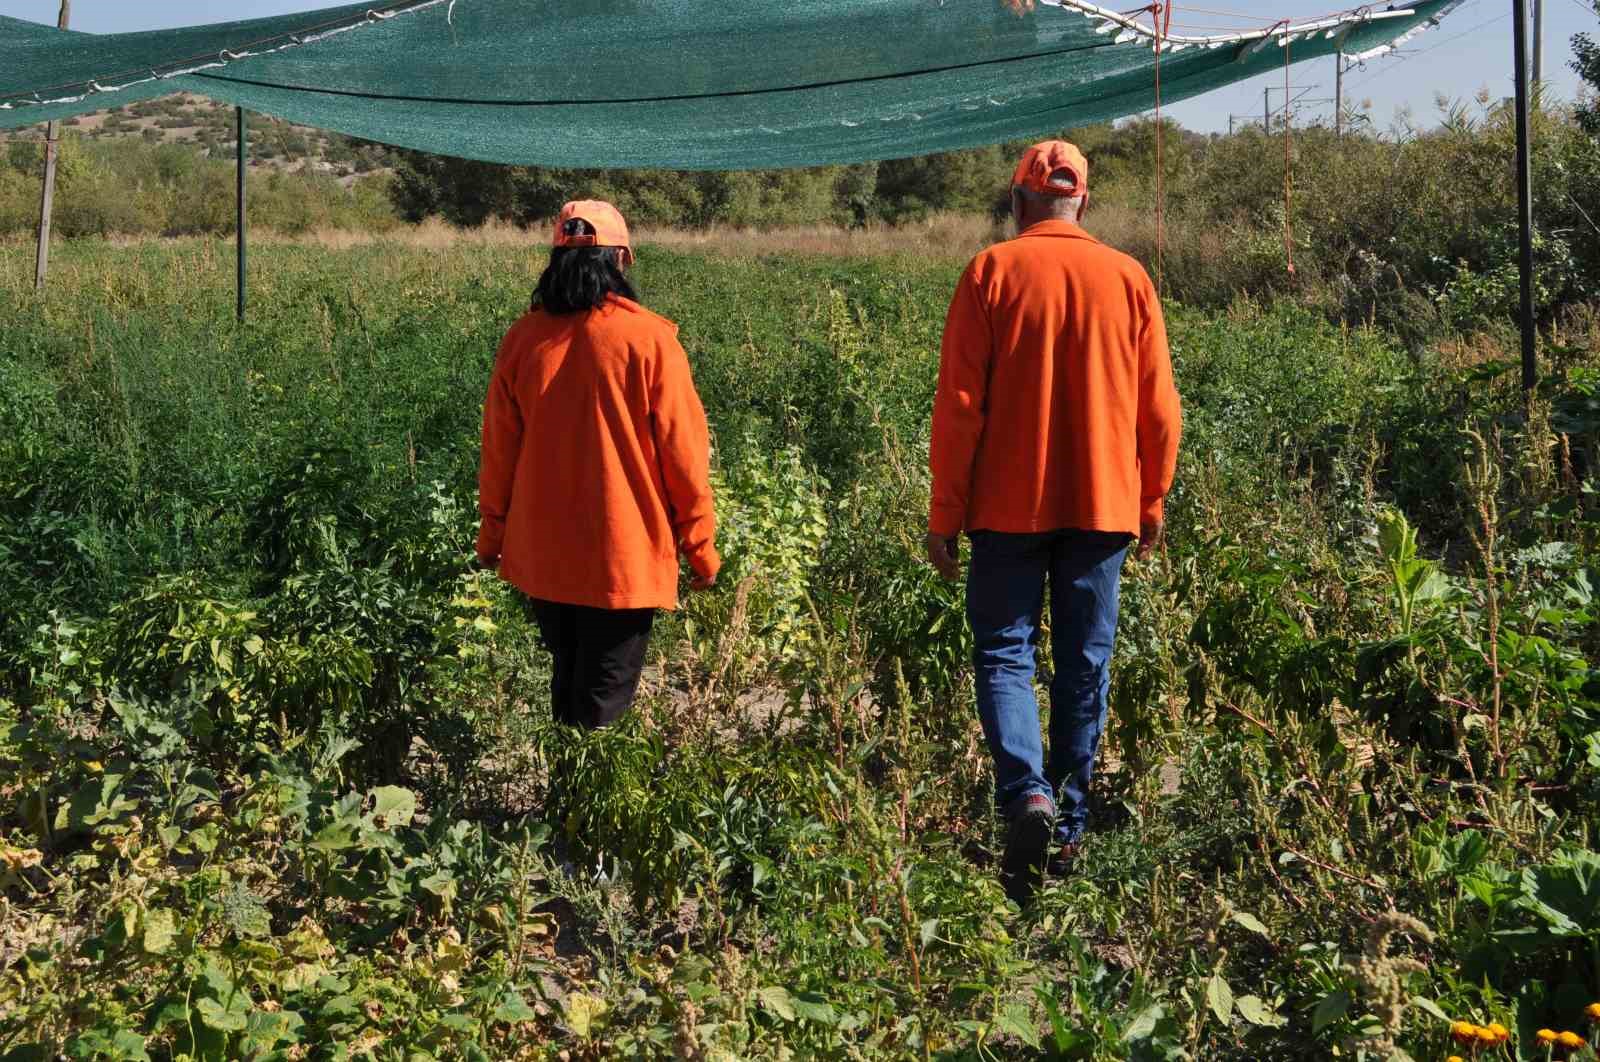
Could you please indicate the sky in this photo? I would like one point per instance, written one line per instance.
(1469, 52)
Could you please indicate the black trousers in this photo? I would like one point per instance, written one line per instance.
(598, 657)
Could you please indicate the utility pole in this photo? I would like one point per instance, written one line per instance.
(1519, 32)
(1266, 108)
(41, 264)
(1230, 125)
(1338, 93)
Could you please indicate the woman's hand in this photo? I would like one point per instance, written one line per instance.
(702, 582)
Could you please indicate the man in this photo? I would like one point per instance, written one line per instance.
(1055, 436)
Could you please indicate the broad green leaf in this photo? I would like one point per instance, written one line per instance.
(1253, 1010)
(1144, 1023)
(776, 998)
(1252, 923)
(393, 805)
(1220, 998)
(813, 1007)
(160, 926)
(1565, 893)
(513, 1008)
(223, 1019)
(586, 1014)
(1015, 1019)
(128, 1046)
(334, 837)
(1334, 1006)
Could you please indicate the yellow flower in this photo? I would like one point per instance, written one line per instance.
(1501, 1033)
(1569, 1040)
(1593, 1011)
(1464, 1031)
(1454, 1058)
(1546, 1036)
(1487, 1037)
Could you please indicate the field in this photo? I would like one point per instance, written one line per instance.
(277, 778)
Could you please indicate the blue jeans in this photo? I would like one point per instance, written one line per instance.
(1005, 601)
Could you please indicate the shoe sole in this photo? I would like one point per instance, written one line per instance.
(1027, 845)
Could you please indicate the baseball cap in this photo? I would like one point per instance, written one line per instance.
(1046, 158)
(606, 221)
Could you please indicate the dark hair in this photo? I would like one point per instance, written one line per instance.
(581, 278)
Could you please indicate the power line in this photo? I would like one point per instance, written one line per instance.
(1424, 51)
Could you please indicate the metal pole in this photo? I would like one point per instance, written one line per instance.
(239, 223)
(1266, 108)
(47, 198)
(1338, 93)
(1538, 43)
(1519, 23)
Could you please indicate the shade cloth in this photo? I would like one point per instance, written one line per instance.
(681, 84)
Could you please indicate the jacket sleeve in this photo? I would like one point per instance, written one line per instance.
(684, 444)
(959, 405)
(1160, 418)
(502, 442)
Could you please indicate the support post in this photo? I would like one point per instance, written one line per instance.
(1519, 23)
(1538, 43)
(239, 222)
(1266, 109)
(47, 197)
(1338, 93)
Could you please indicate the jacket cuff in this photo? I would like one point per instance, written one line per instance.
(1152, 510)
(491, 537)
(705, 560)
(946, 520)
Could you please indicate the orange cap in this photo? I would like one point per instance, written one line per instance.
(606, 221)
(1047, 157)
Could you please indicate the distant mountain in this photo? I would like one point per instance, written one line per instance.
(209, 127)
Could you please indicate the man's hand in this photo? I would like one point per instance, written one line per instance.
(702, 582)
(485, 564)
(1150, 536)
(943, 555)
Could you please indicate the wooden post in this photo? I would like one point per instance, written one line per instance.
(1266, 109)
(239, 220)
(47, 199)
(1519, 33)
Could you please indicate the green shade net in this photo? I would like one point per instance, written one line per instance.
(680, 84)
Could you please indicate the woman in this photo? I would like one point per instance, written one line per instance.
(595, 470)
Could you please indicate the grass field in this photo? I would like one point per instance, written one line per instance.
(277, 778)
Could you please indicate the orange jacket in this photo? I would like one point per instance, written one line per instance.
(595, 468)
(1056, 407)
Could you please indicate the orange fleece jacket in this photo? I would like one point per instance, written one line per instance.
(1056, 406)
(596, 460)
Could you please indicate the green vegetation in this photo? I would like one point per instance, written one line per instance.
(1412, 231)
(145, 187)
(276, 776)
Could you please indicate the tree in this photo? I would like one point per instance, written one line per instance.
(1586, 61)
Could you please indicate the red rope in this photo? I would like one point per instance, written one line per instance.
(1288, 168)
(1162, 19)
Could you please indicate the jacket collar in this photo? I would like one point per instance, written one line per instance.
(1056, 228)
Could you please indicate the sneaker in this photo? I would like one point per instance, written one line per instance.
(1027, 844)
(1060, 865)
